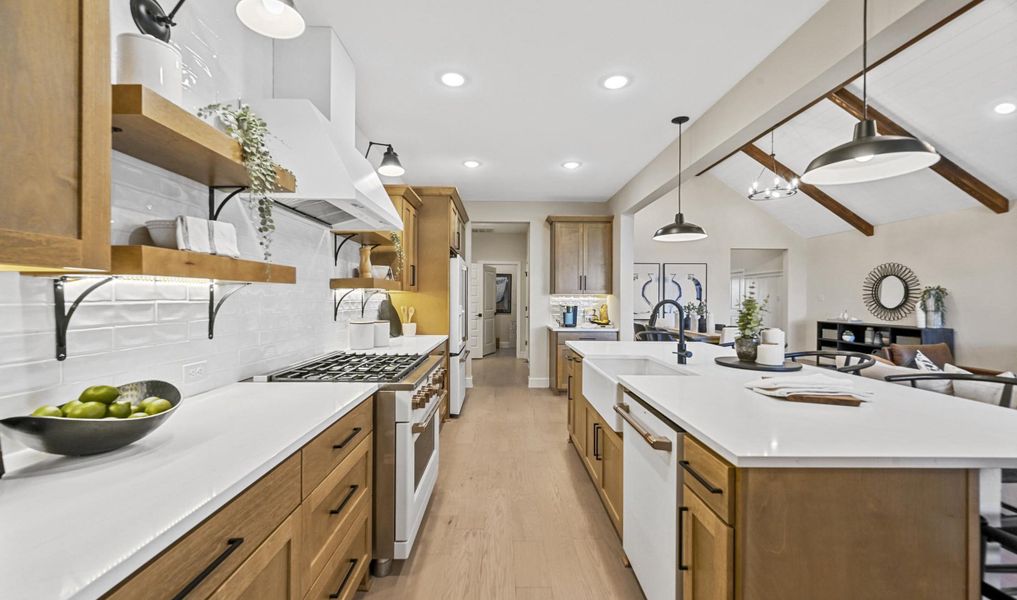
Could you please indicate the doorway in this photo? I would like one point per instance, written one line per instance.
(499, 298)
(760, 272)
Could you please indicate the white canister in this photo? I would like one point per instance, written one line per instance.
(409, 329)
(770, 354)
(361, 334)
(381, 331)
(711, 323)
(773, 336)
(153, 63)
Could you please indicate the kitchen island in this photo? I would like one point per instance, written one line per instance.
(786, 500)
(75, 527)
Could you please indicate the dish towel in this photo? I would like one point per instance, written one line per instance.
(818, 384)
(211, 237)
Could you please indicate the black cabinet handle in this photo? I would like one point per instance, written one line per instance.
(568, 386)
(346, 500)
(596, 441)
(681, 539)
(706, 484)
(413, 274)
(356, 431)
(346, 579)
(231, 546)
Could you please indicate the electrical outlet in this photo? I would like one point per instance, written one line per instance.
(195, 371)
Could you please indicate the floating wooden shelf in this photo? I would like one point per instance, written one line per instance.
(153, 129)
(367, 283)
(368, 238)
(164, 262)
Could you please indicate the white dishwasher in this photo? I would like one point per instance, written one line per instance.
(652, 490)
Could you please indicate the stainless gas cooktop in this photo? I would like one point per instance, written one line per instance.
(352, 367)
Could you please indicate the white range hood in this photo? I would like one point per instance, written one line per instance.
(335, 184)
(312, 118)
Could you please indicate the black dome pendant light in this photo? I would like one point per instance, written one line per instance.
(869, 156)
(679, 231)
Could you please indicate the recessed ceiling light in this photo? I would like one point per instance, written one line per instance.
(615, 82)
(572, 165)
(471, 164)
(453, 79)
(1005, 108)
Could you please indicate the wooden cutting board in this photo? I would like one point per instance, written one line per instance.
(824, 399)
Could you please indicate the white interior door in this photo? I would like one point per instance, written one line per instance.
(476, 340)
(490, 341)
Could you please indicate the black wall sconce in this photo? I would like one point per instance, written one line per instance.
(152, 20)
(390, 165)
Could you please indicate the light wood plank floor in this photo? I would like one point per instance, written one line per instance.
(514, 515)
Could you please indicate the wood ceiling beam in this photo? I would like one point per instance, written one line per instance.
(946, 168)
(821, 197)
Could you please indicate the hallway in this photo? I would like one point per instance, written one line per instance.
(514, 515)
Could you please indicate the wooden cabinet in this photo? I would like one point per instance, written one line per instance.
(301, 531)
(457, 228)
(705, 551)
(556, 351)
(407, 203)
(591, 457)
(611, 484)
(581, 255)
(57, 117)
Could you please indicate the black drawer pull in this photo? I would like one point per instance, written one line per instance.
(346, 500)
(356, 431)
(346, 579)
(681, 539)
(231, 546)
(706, 484)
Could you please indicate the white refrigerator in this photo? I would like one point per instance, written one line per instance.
(457, 333)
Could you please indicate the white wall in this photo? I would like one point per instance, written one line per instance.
(731, 222)
(132, 330)
(539, 258)
(969, 252)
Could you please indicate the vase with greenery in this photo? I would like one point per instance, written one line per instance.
(750, 322)
(933, 303)
(690, 309)
(701, 311)
(250, 131)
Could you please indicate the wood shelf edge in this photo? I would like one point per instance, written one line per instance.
(366, 283)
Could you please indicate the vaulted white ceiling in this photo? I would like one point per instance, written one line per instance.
(942, 89)
(533, 98)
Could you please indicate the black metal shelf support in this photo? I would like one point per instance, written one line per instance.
(365, 297)
(337, 245)
(63, 317)
(213, 210)
(213, 306)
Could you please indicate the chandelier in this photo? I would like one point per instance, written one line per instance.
(781, 188)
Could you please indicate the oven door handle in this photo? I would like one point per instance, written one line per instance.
(421, 427)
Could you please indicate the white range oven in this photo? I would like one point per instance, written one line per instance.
(407, 418)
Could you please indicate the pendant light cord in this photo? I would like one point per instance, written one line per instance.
(865, 59)
(679, 168)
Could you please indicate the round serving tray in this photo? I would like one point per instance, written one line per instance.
(735, 363)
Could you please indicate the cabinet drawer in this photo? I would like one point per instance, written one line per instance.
(222, 542)
(593, 334)
(326, 451)
(711, 477)
(330, 511)
(347, 565)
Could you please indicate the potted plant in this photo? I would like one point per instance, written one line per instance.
(933, 303)
(250, 131)
(690, 309)
(750, 321)
(702, 312)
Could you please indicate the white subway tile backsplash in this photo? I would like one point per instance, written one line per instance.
(26, 347)
(26, 318)
(182, 311)
(27, 377)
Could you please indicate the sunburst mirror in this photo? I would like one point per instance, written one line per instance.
(890, 291)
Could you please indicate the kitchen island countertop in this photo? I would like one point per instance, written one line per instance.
(75, 527)
(898, 427)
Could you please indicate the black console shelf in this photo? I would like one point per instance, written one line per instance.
(828, 335)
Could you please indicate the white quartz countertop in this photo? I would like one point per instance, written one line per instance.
(581, 328)
(75, 527)
(416, 344)
(898, 427)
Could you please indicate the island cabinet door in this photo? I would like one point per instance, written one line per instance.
(579, 425)
(705, 551)
(570, 394)
(594, 442)
(611, 475)
(272, 572)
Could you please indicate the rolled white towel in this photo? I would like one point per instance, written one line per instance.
(192, 234)
(224, 239)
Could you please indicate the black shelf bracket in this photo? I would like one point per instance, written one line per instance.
(365, 297)
(63, 317)
(213, 306)
(213, 210)
(337, 245)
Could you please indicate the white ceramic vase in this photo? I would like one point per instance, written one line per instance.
(152, 63)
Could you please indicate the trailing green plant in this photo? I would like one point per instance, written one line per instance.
(400, 256)
(250, 131)
(934, 298)
(750, 316)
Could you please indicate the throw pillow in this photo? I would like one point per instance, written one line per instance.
(880, 370)
(924, 363)
(982, 391)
